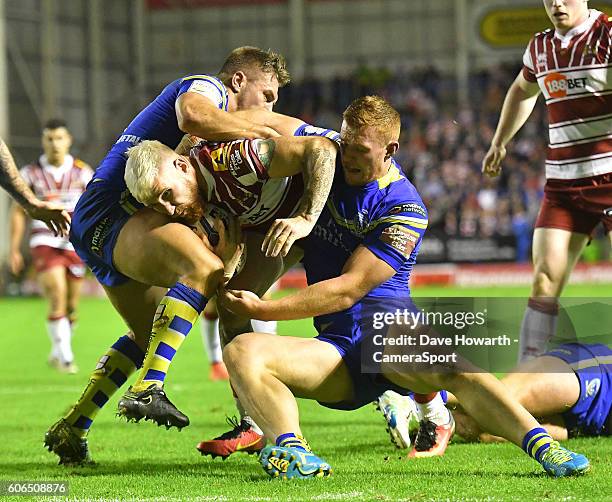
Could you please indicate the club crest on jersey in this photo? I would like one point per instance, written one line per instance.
(542, 61)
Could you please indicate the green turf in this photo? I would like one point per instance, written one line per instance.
(140, 461)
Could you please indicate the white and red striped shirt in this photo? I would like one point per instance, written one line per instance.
(61, 184)
(573, 72)
(238, 182)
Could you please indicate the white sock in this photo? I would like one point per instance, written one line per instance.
(254, 426)
(210, 338)
(264, 326)
(537, 329)
(60, 334)
(434, 411)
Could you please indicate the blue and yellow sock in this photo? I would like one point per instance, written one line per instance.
(112, 371)
(291, 440)
(176, 314)
(536, 442)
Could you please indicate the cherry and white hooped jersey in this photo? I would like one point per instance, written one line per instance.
(573, 72)
(60, 184)
(238, 182)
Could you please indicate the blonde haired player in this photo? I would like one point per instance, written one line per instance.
(57, 177)
(570, 66)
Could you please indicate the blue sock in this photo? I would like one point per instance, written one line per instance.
(536, 442)
(291, 440)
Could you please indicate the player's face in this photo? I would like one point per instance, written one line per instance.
(56, 144)
(176, 191)
(566, 14)
(259, 91)
(364, 154)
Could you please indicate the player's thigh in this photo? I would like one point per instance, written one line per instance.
(257, 275)
(136, 303)
(54, 285)
(311, 368)
(544, 386)
(152, 249)
(555, 252)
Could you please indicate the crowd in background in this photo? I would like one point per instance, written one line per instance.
(442, 145)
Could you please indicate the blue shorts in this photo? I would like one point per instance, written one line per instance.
(592, 364)
(349, 337)
(97, 220)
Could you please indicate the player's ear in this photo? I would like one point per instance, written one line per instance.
(391, 150)
(181, 164)
(238, 81)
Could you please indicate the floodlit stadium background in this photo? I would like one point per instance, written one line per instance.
(445, 64)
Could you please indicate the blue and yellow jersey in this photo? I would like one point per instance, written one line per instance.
(158, 122)
(387, 216)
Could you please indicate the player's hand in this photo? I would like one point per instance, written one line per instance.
(242, 303)
(491, 164)
(186, 144)
(54, 216)
(16, 262)
(230, 246)
(284, 232)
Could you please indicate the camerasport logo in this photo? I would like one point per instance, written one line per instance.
(558, 84)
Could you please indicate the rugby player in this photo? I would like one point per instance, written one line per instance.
(360, 254)
(137, 253)
(55, 176)
(569, 388)
(436, 425)
(570, 66)
(53, 215)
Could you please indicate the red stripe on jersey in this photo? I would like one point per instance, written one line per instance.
(579, 108)
(580, 151)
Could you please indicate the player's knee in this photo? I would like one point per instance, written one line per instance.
(546, 283)
(203, 272)
(242, 354)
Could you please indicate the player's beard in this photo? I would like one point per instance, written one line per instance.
(192, 212)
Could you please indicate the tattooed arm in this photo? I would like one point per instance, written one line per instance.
(315, 159)
(54, 216)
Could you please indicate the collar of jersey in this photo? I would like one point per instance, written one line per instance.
(578, 30)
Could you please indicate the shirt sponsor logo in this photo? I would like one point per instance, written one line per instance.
(99, 235)
(558, 84)
(400, 239)
(409, 208)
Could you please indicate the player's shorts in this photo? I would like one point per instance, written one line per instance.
(349, 338)
(97, 220)
(46, 257)
(577, 205)
(592, 364)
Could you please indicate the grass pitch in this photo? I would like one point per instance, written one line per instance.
(143, 462)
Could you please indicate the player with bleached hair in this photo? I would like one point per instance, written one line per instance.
(152, 266)
(358, 259)
(570, 66)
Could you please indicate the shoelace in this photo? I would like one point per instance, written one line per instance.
(426, 437)
(556, 454)
(238, 427)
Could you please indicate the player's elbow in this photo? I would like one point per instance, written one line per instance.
(191, 115)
